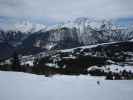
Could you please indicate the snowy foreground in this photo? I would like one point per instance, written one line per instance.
(22, 86)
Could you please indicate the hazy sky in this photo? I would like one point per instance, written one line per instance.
(59, 10)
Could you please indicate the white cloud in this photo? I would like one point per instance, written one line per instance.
(60, 10)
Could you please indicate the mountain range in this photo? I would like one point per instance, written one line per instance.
(28, 39)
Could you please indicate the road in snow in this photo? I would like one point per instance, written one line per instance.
(21, 86)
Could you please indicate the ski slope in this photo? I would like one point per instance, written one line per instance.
(22, 86)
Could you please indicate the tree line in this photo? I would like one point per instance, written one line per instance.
(65, 67)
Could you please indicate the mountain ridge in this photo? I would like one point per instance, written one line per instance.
(80, 32)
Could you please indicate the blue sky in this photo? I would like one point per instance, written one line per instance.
(54, 11)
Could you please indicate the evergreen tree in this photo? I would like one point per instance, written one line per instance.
(15, 62)
(35, 63)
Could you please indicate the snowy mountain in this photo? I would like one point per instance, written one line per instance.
(32, 38)
(80, 32)
(27, 27)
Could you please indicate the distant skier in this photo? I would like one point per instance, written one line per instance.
(98, 82)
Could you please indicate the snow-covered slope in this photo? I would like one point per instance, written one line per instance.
(20, 86)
